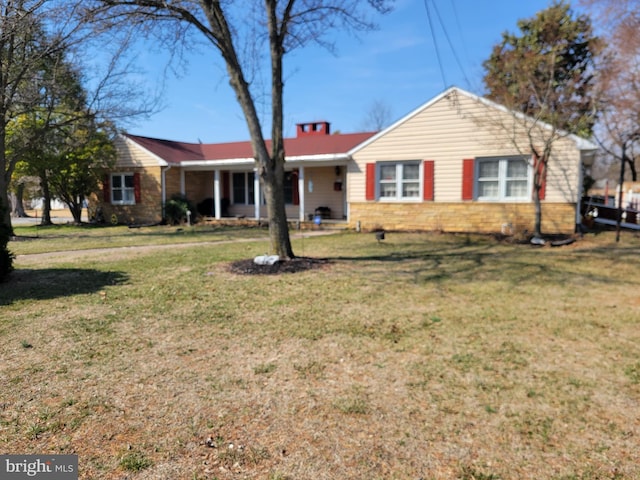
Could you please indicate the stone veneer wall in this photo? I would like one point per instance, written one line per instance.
(462, 217)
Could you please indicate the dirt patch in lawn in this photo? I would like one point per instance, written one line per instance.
(295, 265)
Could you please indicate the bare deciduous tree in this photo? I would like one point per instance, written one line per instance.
(378, 116)
(545, 75)
(278, 26)
(618, 130)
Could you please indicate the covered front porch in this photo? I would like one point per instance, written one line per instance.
(313, 193)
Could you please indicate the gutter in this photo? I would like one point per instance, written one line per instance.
(324, 157)
(163, 187)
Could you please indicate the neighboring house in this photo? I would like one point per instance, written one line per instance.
(457, 163)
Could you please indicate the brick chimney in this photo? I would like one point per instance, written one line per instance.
(313, 128)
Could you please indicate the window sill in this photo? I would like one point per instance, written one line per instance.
(503, 200)
(400, 200)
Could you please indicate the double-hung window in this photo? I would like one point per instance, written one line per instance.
(243, 188)
(399, 180)
(503, 178)
(123, 189)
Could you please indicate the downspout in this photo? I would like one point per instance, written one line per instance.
(581, 173)
(586, 160)
(163, 188)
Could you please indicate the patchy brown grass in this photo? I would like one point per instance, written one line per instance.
(424, 356)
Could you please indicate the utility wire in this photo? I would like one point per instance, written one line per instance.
(453, 50)
(460, 31)
(435, 43)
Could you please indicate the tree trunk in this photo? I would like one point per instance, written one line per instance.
(537, 228)
(46, 200)
(539, 174)
(632, 168)
(5, 176)
(270, 172)
(270, 169)
(276, 212)
(279, 215)
(18, 205)
(76, 210)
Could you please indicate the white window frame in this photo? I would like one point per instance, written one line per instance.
(502, 179)
(399, 181)
(123, 189)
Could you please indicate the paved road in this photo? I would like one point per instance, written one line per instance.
(61, 217)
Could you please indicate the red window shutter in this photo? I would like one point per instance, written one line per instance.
(370, 190)
(468, 166)
(106, 189)
(428, 179)
(295, 191)
(136, 188)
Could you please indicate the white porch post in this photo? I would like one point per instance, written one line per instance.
(216, 195)
(301, 192)
(256, 194)
(183, 188)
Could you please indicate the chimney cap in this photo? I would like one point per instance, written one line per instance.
(313, 128)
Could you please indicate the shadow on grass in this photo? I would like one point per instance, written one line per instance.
(48, 283)
(471, 262)
(37, 232)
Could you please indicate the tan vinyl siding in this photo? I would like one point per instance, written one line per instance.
(131, 154)
(447, 131)
(562, 176)
(452, 129)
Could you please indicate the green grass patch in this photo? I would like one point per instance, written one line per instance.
(134, 461)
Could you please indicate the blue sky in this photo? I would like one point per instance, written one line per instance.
(396, 65)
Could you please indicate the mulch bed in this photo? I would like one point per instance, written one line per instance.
(294, 265)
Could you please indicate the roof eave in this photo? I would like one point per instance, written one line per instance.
(301, 159)
(580, 143)
(318, 158)
(216, 163)
(161, 161)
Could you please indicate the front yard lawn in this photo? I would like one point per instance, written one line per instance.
(423, 356)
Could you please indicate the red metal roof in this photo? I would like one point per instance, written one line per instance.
(175, 152)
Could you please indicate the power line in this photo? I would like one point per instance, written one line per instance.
(453, 50)
(460, 31)
(447, 37)
(435, 43)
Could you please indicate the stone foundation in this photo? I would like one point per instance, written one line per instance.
(512, 218)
